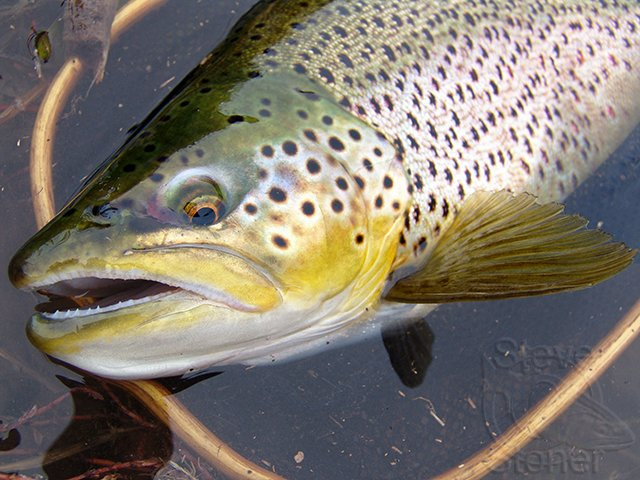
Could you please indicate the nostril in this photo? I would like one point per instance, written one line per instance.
(16, 270)
(105, 211)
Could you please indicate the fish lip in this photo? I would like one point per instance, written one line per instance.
(93, 309)
(171, 287)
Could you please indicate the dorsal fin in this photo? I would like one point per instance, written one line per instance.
(502, 245)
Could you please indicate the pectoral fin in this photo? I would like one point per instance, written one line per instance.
(502, 245)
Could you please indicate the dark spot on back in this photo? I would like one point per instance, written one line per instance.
(290, 148)
(308, 209)
(267, 151)
(313, 166)
(280, 241)
(277, 195)
(355, 134)
(336, 144)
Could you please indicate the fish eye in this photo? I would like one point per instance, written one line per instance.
(204, 211)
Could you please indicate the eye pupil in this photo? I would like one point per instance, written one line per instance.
(204, 213)
(204, 216)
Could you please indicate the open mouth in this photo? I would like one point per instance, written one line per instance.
(92, 295)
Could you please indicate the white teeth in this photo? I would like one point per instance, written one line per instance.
(84, 312)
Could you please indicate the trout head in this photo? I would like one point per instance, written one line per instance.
(244, 244)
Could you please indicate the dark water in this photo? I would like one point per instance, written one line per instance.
(344, 409)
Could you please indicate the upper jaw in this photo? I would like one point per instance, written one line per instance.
(200, 273)
(82, 293)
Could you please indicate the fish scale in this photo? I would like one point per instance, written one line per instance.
(334, 161)
(529, 97)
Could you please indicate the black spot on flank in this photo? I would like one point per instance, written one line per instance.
(235, 119)
(327, 75)
(416, 214)
(359, 181)
(156, 177)
(310, 134)
(267, 151)
(340, 31)
(277, 195)
(264, 113)
(445, 209)
(379, 201)
(308, 209)
(290, 148)
(129, 167)
(359, 238)
(162, 159)
(418, 182)
(387, 182)
(345, 60)
(366, 163)
(377, 152)
(205, 89)
(184, 159)
(355, 134)
(313, 166)
(69, 212)
(327, 120)
(336, 206)
(299, 68)
(184, 103)
(469, 19)
(342, 183)
(280, 241)
(255, 37)
(150, 148)
(422, 243)
(432, 203)
(200, 152)
(266, 102)
(302, 114)
(262, 173)
(396, 205)
(165, 118)
(336, 144)
(253, 74)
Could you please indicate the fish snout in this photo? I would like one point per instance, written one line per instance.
(16, 272)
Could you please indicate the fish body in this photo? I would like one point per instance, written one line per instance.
(327, 156)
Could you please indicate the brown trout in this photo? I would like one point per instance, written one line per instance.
(334, 161)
